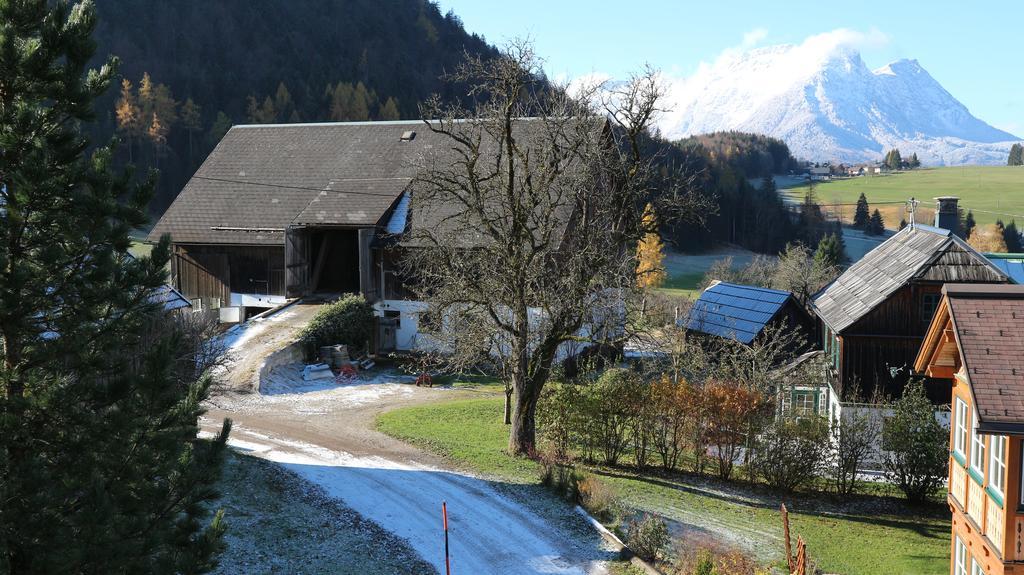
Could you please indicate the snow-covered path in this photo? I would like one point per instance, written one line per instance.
(488, 532)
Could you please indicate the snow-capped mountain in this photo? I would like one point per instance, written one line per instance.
(827, 105)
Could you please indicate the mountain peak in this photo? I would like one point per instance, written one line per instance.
(823, 101)
(903, 66)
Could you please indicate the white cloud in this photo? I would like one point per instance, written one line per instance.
(754, 37)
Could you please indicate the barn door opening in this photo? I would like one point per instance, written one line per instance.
(296, 261)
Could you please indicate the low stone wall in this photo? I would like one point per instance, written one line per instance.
(291, 353)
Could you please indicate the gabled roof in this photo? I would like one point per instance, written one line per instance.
(735, 311)
(988, 328)
(917, 253)
(262, 178)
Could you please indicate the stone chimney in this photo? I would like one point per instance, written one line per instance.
(947, 213)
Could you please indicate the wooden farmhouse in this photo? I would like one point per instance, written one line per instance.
(976, 338)
(873, 317)
(295, 210)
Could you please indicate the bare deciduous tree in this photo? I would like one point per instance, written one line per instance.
(539, 197)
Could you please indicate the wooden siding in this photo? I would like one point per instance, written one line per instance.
(209, 271)
(878, 350)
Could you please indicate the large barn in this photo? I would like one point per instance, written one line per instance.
(296, 210)
(281, 211)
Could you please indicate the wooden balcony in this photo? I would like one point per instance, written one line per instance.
(976, 503)
(994, 522)
(958, 482)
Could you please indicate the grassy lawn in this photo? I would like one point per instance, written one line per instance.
(867, 536)
(992, 192)
(683, 285)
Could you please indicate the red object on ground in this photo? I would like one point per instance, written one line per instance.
(424, 379)
(347, 372)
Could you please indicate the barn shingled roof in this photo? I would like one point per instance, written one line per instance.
(916, 252)
(262, 178)
(735, 311)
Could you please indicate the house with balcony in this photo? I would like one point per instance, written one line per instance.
(976, 338)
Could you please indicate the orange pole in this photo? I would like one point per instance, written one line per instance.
(447, 561)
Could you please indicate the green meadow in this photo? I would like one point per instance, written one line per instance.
(991, 192)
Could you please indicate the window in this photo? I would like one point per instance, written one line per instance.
(929, 303)
(960, 557)
(960, 428)
(997, 464)
(977, 449)
(805, 403)
(976, 567)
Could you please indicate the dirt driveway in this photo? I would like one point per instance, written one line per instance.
(325, 434)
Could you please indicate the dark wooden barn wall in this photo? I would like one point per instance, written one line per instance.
(208, 271)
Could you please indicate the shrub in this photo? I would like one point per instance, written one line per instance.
(597, 498)
(563, 480)
(791, 453)
(853, 441)
(714, 561)
(733, 412)
(647, 537)
(613, 405)
(559, 418)
(916, 444)
(348, 321)
(705, 563)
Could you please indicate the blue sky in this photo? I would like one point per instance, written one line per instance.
(974, 49)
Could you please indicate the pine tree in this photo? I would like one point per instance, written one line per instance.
(100, 467)
(360, 111)
(650, 254)
(1016, 155)
(1012, 238)
(968, 225)
(191, 119)
(914, 162)
(267, 113)
(157, 133)
(283, 102)
(389, 111)
(862, 213)
(830, 252)
(220, 126)
(768, 185)
(341, 102)
(893, 161)
(876, 225)
(127, 112)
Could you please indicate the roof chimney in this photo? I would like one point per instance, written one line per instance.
(947, 214)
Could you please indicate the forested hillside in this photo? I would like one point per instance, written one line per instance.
(754, 155)
(195, 68)
(752, 216)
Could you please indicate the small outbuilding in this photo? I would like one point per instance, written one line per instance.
(742, 312)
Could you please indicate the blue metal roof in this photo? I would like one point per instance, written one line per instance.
(735, 311)
(1011, 264)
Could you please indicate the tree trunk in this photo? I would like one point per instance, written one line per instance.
(508, 405)
(522, 439)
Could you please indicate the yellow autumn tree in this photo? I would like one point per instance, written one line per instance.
(988, 239)
(128, 112)
(650, 253)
